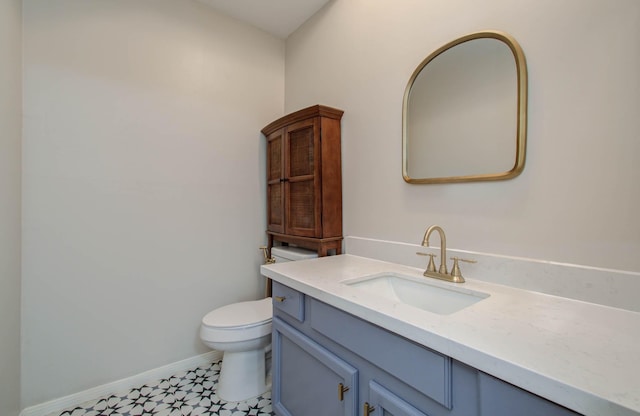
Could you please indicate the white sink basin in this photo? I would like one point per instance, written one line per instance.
(417, 292)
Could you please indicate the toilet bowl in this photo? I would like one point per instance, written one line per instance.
(242, 331)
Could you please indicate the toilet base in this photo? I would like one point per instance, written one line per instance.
(243, 375)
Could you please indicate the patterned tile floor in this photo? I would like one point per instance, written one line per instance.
(190, 393)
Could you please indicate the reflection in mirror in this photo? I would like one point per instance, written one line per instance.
(464, 115)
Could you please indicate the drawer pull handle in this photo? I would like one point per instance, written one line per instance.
(368, 409)
(279, 298)
(342, 389)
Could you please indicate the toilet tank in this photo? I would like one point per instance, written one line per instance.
(287, 253)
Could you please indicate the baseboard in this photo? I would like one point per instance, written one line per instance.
(122, 385)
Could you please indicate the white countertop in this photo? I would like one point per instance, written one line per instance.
(581, 355)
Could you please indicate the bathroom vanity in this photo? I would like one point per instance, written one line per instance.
(343, 346)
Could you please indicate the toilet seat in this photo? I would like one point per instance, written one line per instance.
(238, 321)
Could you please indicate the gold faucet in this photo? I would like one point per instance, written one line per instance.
(443, 246)
(267, 256)
(442, 273)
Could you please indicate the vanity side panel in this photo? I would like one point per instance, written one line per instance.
(331, 178)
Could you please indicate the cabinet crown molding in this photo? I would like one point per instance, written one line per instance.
(313, 111)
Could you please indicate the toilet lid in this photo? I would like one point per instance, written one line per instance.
(241, 314)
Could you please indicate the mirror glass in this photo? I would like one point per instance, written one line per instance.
(464, 114)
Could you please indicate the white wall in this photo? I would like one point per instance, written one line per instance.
(578, 198)
(10, 144)
(143, 182)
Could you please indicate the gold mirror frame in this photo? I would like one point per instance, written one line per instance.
(521, 126)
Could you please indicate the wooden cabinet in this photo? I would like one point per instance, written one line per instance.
(320, 351)
(304, 179)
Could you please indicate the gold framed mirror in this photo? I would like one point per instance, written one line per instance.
(464, 115)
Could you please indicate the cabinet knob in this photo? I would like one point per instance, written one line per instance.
(368, 409)
(279, 298)
(342, 389)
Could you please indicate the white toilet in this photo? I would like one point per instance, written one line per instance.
(242, 331)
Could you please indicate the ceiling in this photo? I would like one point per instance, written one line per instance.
(278, 17)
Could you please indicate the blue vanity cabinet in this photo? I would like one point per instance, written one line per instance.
(329, 362)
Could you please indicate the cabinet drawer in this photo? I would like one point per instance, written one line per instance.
(288, 301)
(423, 369)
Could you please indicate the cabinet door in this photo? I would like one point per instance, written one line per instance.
(303, 203)
(309, 380)
(383, 402)
(275, 181)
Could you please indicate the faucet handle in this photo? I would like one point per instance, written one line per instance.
(455, 271)
(432, 266)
